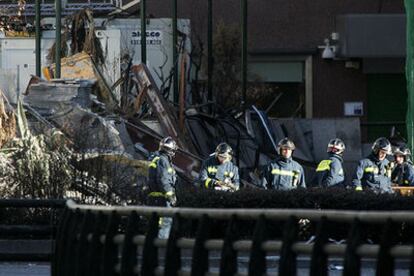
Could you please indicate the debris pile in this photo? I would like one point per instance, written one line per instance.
(107, 130)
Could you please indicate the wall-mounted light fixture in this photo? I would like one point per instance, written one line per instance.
(330, 48)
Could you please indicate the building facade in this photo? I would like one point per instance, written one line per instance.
(286, 43)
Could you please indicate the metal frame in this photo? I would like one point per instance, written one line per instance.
(104, 221)
(49, 9)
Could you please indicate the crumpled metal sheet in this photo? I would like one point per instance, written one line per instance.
(186, 164)
(159, 105)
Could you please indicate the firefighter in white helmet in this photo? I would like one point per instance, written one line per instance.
(162, 180)
(373, 172)
(219, 172)
(330, 172)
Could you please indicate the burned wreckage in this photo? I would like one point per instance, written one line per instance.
(114, 137)
(110, 136)
(111, 128)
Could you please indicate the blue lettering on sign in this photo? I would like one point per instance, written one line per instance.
(148, 34)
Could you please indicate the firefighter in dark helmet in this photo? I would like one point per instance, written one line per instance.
(374, 172)
(162, 180)
(403, 172)
(218, 171)
(330, 172)
(284, 173)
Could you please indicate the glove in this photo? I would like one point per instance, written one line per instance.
(358, 188)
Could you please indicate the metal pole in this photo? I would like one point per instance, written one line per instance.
(143, 33)
(244, 52)
(210, 52)
(58, 5)
(38, 42)
(175, 54)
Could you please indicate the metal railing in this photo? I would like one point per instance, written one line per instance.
(92, 241)
(28, 242)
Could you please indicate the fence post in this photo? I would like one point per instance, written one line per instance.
(352, 262)
(173, 252)
(287, 263)
(257, 264)
(385, 262)
(228, 262)
(110, 254)
(129, 251)
(85, 228)
(58, 256)
(70, 258)
(150, 251)
(319, 260)
(95, 247)
(199, 265)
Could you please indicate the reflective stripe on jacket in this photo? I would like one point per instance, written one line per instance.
(371, 174)
(283, 174)
(212, 170)
(403, 174)
(330, 172)
(162, 176)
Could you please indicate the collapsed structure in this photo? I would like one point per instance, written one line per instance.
(118, 120)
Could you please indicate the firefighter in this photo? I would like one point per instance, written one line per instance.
(330, 172)
(162, 180)
(403, 172)
(374, 172)
(284, 173)
(218, 171)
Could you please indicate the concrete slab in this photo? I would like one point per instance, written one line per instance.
(295, 132)
(350, 132)
(322, 131)
(25, 269)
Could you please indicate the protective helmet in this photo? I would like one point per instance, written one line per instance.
(381, 144)
(336, 146)
(224, 150)
(169, 146)
(285, 143)
(402, 150)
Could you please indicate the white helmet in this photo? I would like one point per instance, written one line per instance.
(169, 146)
(336, 146)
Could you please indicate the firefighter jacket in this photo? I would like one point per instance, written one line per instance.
(283, 174)
(330, 172)
(162, 176)
(213, 171)
(373, 174)
(403, 174)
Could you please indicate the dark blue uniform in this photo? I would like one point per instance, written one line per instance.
(283, 174)
(213, 171)
(162, 176)
(161, 182)
(330, 172)
(372, 174)
(403, 174)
